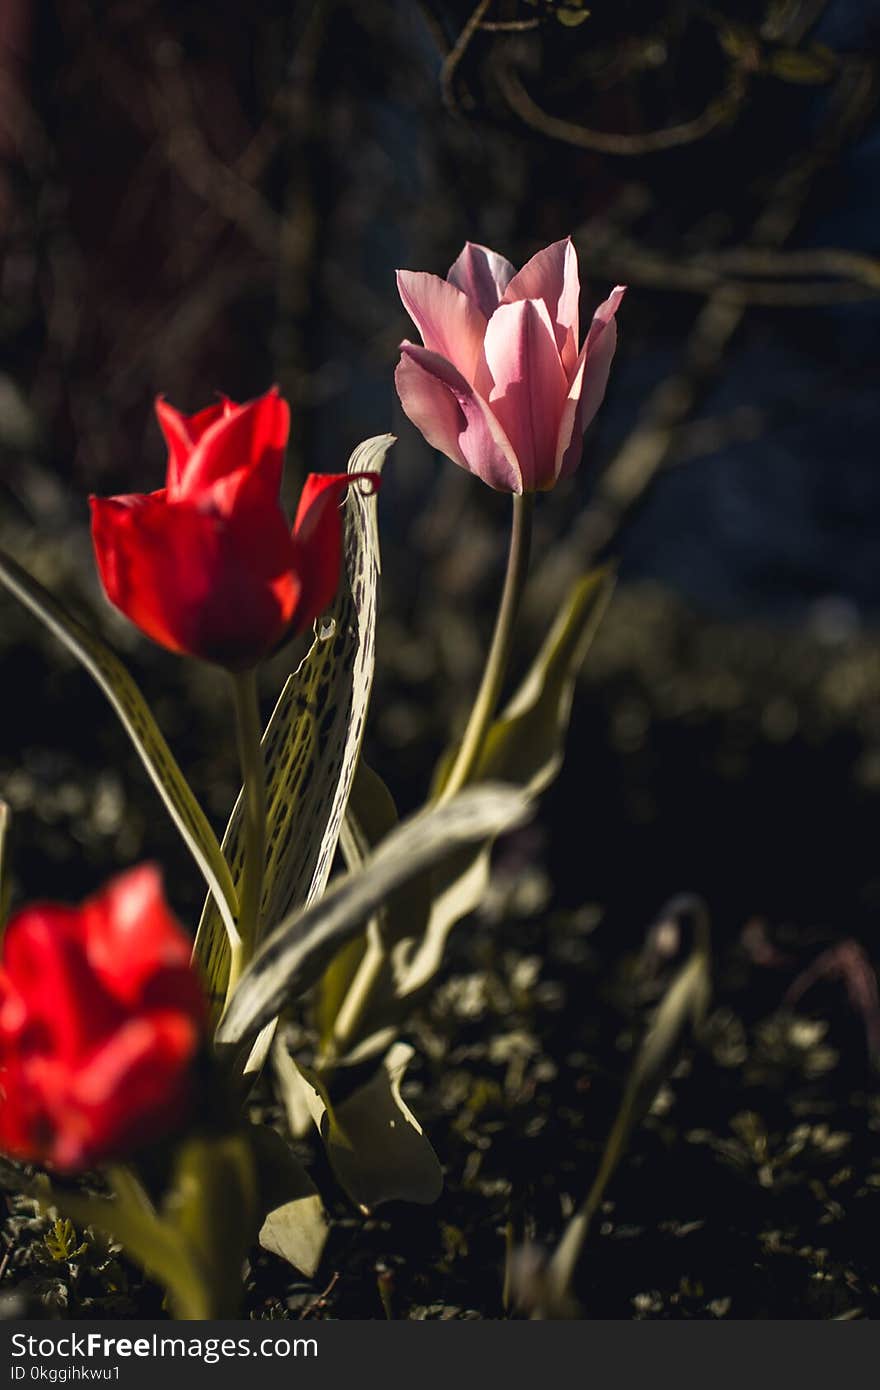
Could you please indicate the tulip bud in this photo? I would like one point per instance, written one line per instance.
(499, 385)
(208, 565)
(101, 1016)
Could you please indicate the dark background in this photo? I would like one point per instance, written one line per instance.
(214, 197)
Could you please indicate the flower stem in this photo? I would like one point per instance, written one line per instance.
(357, 999)
(253, 771)
(497, 661)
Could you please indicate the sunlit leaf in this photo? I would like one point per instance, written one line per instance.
(213, 1203)
(137, 720)
(376, 1146)
(296, 952)
(294, 1225)
(371, 816)
(313, 739)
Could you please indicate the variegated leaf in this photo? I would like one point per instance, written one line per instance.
(295, 953)
(313, 739)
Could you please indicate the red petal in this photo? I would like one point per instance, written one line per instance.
(183, 432)
(216, 586)
(66, 1009)
(251, 437)
(136, 946)
(317, 534)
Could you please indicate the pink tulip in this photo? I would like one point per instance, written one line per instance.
(499, 386)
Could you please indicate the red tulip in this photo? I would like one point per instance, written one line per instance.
(208, 565)
(101, 1016)
(501, 385)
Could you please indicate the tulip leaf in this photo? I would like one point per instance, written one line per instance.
(213, 1203)
(371, 815)
(312, 742)
(525, 748)
(682, 1009)
(296, 952)
(294, 1225)
(376, 1146)
(137, 719)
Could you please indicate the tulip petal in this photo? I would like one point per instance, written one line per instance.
(132, 1089)
(135, 945)
(482, 275)
(252, 436)
(530, 386)
(317, 537)
(450, 324)
(183, 432)
(43, 956)
(588, 385)
(88, 1074)
(552, 275)
(455, 419)
(430, 404)
(219, 587)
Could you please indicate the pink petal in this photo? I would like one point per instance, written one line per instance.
(449, 323)
(530, 386)
(588, 386)
(454, 419)
(483, 275)
(552, 275)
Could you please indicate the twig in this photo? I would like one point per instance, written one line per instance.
(720, 111)
(321, 1300)
(457, 52)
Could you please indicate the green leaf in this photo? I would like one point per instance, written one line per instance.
(213, 1205)
(682, 1009)
(376, 1146)
(297, 951)
(313, 739)
(370, 817)
(524, 748)
(295, 1224)
(137, 719)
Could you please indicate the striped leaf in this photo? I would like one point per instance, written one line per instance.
(313, 739)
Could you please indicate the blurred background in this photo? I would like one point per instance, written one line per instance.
(213, 197)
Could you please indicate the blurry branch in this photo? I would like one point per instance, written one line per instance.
(748, 53)
(720, 111)
(459, 49)
(791, 19)
(755, 260)
(649, 444)
(509, 26)
(705, 273)
(209, 177)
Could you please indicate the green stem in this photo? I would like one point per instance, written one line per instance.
(497, 661)
(253, 771)
(359, 995)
